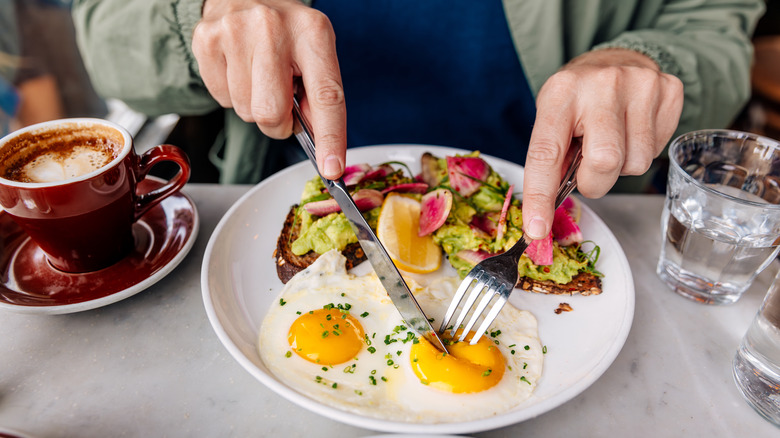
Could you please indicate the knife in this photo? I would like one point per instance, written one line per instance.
(384, 267)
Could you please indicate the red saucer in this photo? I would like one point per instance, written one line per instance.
(29, 284)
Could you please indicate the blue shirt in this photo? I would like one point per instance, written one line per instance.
(441, 72)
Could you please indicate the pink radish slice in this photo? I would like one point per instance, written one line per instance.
(379, 172)
(416, 187)
(569, 205)
(472, 256)
(365, 199)
(355, 173)
(565, 229)
(541, 251)
(430, 173)
(504, 209)
(466, 173)
(486, 222)
(434, 210)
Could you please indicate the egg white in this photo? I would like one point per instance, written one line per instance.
(400, 396)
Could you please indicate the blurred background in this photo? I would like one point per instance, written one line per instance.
(42, 77)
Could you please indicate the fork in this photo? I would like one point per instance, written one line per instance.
(496, 276)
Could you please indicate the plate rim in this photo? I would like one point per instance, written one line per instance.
(357, 420)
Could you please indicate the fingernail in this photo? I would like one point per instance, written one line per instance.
(332, 166)
(535, 228)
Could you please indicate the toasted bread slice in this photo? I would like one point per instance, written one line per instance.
(289, 264)
(583, 283)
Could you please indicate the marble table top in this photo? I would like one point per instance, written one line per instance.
(151, 365)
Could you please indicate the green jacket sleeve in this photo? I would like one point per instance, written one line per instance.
(706, 43)
(141, 53)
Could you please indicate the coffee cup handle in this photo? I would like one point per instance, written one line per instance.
(147, 160)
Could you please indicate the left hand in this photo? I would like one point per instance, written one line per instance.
(624, 108)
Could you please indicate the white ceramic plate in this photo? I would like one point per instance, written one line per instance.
(239, 284)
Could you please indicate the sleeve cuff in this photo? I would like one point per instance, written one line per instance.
(188, 13)
(666, 62)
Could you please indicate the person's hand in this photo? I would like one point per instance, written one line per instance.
(249, 52)
(624, 109)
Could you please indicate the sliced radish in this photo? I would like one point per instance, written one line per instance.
(541, 251)
(466, 173)
(479, 232)
(430, 173)
(504, 209)
(472, 256)
(355, 173)
(572, 206)
(565, 228)
(416, 187)
(434, 209)
(365, 199)
(486, 222)
(379, 172)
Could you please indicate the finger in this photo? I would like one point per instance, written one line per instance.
(669, 110)
(211, 62)
(316, 58)
(641, 133)
(553, 128)
(272, 93)
(239, 80)
(603, 150)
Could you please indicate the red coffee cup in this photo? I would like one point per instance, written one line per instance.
(71, 186)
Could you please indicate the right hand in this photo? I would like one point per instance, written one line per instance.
(249, 52)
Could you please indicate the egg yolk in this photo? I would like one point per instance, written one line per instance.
(326, 336)
(467, 368)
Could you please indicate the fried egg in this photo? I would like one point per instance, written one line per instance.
(337, 338)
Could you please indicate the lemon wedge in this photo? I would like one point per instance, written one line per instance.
(397, 229)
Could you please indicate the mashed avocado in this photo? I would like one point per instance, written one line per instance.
(565, 266)
(328, 232)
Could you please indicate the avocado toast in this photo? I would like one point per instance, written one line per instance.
(467, 208)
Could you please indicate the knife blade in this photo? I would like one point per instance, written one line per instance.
(385, 269)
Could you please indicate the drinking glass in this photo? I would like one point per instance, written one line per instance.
(721, 218)
(757, 362)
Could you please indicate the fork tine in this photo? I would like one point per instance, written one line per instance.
(483, 303)
(491, 316)
(456, 299)
(482, 278)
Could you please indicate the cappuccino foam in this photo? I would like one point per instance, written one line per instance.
(61, 165)
(59, 153)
